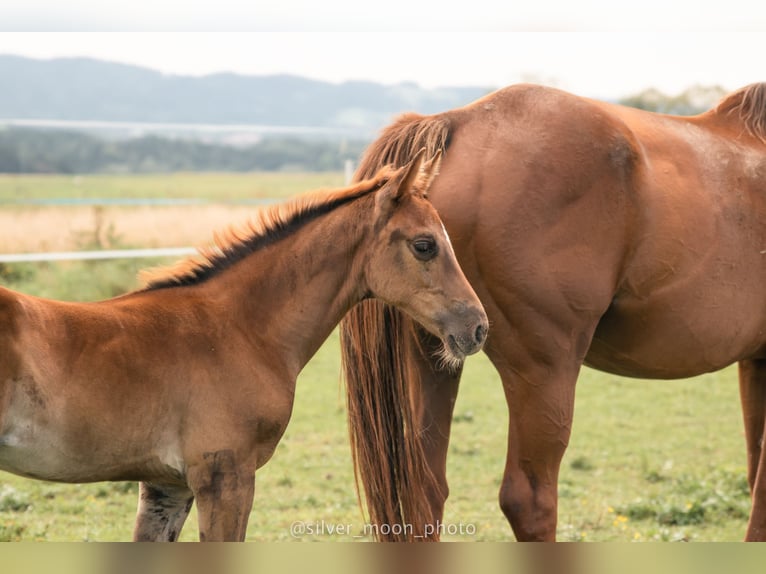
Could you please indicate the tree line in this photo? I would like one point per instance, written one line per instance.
(54, 151)
(693, 100)
(24, 150)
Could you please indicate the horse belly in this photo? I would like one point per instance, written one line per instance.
(34, 448)
(691, 299)
(35, 452)
(677, 335)
(41, 461)
(46, 462)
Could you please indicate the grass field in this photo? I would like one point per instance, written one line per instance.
(26, 228)
(222, 187)
(648, 460)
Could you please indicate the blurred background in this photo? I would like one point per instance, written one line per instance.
(144, 139)
(80, 103)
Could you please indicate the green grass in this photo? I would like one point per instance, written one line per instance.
(648, 460)
(667, 461)
(209, 186)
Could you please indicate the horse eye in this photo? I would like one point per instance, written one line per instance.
(424, 248)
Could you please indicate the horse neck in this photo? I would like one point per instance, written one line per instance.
(290, 295)
(729, 126)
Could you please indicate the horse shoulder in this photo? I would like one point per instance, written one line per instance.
(10, 358)
(11, 311)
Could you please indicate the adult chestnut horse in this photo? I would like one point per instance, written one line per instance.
(188, 385)
(593, 234)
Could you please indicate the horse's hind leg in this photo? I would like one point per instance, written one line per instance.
(539, 374)
(162, 511)
(541, 407)
(752, 388)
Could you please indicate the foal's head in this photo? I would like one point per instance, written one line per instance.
(412, 264)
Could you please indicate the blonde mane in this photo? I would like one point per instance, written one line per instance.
(267, 226)
(749, 103)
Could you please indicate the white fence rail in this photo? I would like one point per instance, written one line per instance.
(91, 255)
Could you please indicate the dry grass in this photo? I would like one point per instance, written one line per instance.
(25, 229)
(40, 229)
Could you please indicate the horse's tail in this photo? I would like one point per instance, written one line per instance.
(378, 343)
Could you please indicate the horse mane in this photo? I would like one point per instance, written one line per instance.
(378, 344)
(267, 226)
(749, 103)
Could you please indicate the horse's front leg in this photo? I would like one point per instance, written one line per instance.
(752, 390)
(223, 488)
(162, 511)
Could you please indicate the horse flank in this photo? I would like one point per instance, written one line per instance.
(268, 225)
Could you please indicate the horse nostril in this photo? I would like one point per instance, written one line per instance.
(481, 333)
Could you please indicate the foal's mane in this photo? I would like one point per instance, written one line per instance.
(267, 226)
(749, 103)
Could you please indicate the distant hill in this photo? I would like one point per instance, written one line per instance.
(86, 89)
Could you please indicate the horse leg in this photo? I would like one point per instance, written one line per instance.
(752, 388)
(540, 422)
(224, 492)
(435, 399)
(162, 511)
(540, 408)
(539, 376)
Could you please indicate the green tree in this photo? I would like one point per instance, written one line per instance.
(693, 100)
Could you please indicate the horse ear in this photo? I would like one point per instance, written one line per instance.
(430, 171)
(411, 176)
(400, 185)
(415, 177)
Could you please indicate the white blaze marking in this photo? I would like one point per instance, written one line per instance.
(449, 242)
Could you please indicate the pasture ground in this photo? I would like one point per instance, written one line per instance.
(648, 460)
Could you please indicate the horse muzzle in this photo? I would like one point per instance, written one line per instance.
(469, 336)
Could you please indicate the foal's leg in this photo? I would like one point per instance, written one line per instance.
(224, 492)
(752, 388)
(162, 511)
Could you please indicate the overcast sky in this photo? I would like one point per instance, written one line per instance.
(600, 48)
